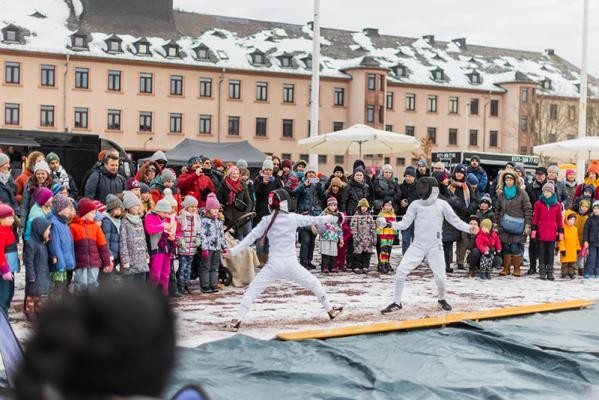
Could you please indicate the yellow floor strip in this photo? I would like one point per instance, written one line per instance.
(440, 321)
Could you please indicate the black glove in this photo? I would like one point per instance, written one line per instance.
(388, 225)
(563, 253)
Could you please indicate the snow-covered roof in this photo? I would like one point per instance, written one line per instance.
(48, 26)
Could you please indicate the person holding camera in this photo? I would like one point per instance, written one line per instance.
(235, 198)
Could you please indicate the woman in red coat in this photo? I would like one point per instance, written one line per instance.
(194, 182)
(547, 225)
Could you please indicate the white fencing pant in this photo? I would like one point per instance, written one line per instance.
(413, 257)
(277, 268)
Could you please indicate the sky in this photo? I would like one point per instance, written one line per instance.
(519, 24)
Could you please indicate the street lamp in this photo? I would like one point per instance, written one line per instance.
(146, 142)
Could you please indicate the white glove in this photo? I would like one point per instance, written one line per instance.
(381, 222)
(330, 219)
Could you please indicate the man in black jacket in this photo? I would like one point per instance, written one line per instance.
(535, 191)
(106, 180)
(408, 195)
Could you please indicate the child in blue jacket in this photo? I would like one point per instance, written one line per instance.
(61, 248)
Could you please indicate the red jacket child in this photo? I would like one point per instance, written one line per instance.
(487, 238)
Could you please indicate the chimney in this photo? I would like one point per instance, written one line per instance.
(430, 39)
(460, 42)
(549, 52)
(371, 32)
(310, 25)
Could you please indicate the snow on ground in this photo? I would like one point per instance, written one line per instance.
(287, 307)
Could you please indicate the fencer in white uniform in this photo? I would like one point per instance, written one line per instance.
(427, 214)
(280, 228)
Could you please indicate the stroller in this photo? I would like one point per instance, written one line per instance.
(224, 275)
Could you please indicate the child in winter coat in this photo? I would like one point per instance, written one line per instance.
(147, 203)
(7, 242)
(189, 241)
(212, 234)
(591, 243)
(581, 218)
(330, 235)
(485, 208)
(133, 248)
(162, 234)
(363, 230)
(489, 247)
(111, 226)
(42, 198)
(385, 236)
(547, 224)
(469, 243)
(37, 269)
(569, 247)
(61, 247)
(91, 249)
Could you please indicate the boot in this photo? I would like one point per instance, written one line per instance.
(517, 260)
(564, 271)
(488, 274)
(532, 270)
(507, 262)
(542, 272)
(481, 273)
(572, 272)
(549, 272)
(471, 271)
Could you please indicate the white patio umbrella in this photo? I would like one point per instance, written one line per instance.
(358, 139)
(585, 147)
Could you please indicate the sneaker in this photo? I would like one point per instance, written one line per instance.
(206, 290)
(214, 290)
(335, 312)
(444, 305)
(391, 308)
(448, 269)
(232, 326)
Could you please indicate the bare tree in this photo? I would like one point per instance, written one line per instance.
(425, 151)
(551, 119)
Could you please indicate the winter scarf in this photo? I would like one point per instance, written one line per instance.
(234, 187)
(465, 190)
(588, 181)
(184, 214)
(134, 219)
(570, 184)
(549, 201)
(509, 192)
(60, 176)
(4, 177)
(115, 221)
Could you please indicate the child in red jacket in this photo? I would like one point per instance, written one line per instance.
(7, 240)
(489, 246)
(547, 225)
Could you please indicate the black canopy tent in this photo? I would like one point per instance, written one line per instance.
(228, 152)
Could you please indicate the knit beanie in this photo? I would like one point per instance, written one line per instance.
(440, 176)
(310, 167)
(113, 202)
(568, 171)
(192, 160)
(241, 163)
(57, 188)
(232, 169)
(303, 163)
(286, 164)
(549, 187)
(363, 203)
(459, 168)
(4, 159)
(159, 156)
(553, 168)
(204, 158)
(130, 200)
(387, 167)
(359, 169)
(331, 200)
(596, 203)
(168, 196)
(189, 201)
(41, 195)
(132, 183)
(338, 168)
(212, 202)
(41, 166)
(100, 207)
(85, 206)
(52, 157)
(218, 163)
(410, 171)
(486, 199)
(163, 206)
(6, 211)
(168, 175)
(423, 162)
(472, 180)
(60, 202)
(593, 167)
(486, 223)
(144, 187)
(337, 182)
(268, 164)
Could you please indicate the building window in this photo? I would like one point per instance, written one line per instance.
(370, 113)
(553, 112)
(410, 129)
(82, 78)
(453, 137)
(438, 75)
(258, 59)
(285, 61)
(389, 128)
(432, 104)
(400, 161)
(12, 73)
(145, 121)
(80, 42)
(205, 87)
(143, 49)
(389, 101)
(571, 113)
(114, 120)
(371, 81)
(233, 128)
(473, 137)
(494, 108)
(453, 104)
(523, 150)
(261, 127)
(11, 114)
(114, 46)
(381, 115)
(493, 138)
(322, 159)
(175, 123)
(145, 83)
(10, 35)
(287, 128)
(205, 124)
(47, 116)
(382, 80)
(387, 160)
(410, 102)
(473, 106)
(337, 126)
(176, 85)
(81, 117)
(48, 75)
(432, 135)
(524, 95)
(114, 81)
(261, 91)
(339, 159)
(234, 89)
(288, 93)
(523, 123)
(339, 97)
(202, 53)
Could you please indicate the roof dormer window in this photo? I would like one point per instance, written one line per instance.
(113, 44)
(546, 84)
(307, 62)
(79, 41)
(400, 71)
(258, 58)
(171, 49)
(142, 47)
(10, 35)
(285, 61)
(202, 52)
(475, 78)
(438, 75)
